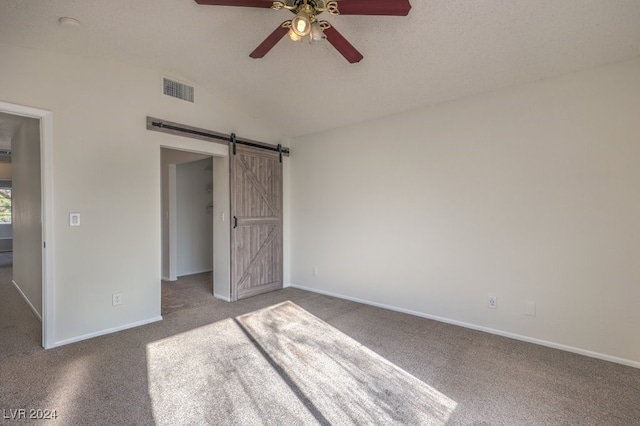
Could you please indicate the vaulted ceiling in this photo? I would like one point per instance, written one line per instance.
(444, 50)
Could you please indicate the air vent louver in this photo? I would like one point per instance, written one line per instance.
(177, 90)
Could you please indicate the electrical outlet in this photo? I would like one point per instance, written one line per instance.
(314, 271)
(493, 302)
(116, 299)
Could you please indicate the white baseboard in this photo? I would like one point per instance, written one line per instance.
(528, 339)
(221, 297)
(186, 274)
(107, 331)
(27, 300)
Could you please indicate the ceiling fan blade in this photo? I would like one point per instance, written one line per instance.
(243, 3)
(342, 45)
(271, 40)
(374, 7)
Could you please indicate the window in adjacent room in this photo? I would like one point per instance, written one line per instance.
(5, 206)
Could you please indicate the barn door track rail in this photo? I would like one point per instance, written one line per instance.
(164, 126)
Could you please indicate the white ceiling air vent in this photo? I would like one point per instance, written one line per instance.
(177, 89)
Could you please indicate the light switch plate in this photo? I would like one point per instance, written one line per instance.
(74, 219)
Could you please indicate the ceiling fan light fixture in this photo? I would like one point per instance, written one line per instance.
(301, 24)
(317, 34)
(293, 36)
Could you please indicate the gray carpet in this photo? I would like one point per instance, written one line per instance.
(282, 365)
(187, 292)
(340, 380)
(112, 380)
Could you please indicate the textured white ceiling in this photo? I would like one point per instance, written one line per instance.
(444, 50)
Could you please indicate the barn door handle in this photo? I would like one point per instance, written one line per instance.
(235, 222)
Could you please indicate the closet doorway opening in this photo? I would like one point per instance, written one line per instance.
(188, 234)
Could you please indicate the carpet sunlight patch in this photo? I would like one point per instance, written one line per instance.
(282, 365)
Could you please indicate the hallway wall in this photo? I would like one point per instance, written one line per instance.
(194, 217)
(27, 212)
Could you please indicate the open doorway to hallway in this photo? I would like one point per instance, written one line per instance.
(187, 229)
(21, 218)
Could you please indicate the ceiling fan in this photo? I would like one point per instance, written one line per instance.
(306, 23)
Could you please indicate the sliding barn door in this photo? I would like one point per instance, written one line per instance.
(256, 213)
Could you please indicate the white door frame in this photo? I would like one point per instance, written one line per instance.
(173, 226)
(48, 252)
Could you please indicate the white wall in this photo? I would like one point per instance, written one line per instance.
(106, 166)
(286, 218)
(27, 212)
(6, 230)
(530, 193)
(194, 217)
